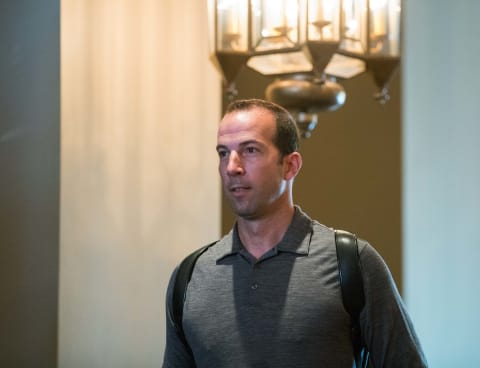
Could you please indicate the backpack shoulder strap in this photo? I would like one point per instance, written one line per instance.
(182, 278)
(351, 283)
(350, 277)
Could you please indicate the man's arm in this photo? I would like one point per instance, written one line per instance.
(386, 327)
(177, 355)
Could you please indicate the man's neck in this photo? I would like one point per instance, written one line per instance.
(260, 235)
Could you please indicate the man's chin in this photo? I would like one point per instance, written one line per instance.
(246, 213)
(242, 211)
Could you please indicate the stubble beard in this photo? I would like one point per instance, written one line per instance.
(241, 208)
(250, 208)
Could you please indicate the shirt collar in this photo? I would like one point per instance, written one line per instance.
(296, 239)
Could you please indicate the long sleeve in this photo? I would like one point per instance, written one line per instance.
(387, 329)
(176, 354)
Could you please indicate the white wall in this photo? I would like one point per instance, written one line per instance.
(442, 178)
(139, 185)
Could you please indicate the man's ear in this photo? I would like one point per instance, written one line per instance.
(292, 165)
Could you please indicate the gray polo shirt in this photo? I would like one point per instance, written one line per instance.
(285, 309)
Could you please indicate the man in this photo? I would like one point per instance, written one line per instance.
(268, 293)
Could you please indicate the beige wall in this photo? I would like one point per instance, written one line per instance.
(139, 187)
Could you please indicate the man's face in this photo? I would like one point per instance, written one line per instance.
(250, 167)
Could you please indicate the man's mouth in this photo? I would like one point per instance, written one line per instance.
(238, 188)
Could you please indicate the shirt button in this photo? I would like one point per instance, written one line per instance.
(254, 286)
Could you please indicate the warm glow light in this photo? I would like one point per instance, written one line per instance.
(281, 37)
(353, 34)
(377, 4)
(371, 31)
(274, 24)
(323, 20)
(352, 25)
(378, 18)
(380, 36)
(272, 18)
(232, 25)
(292, 62)
(291, 12)
(279, 17)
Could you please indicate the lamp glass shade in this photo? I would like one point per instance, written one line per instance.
(282, 63)
(231, 19)
(291, 35)
(275, 24)
(384, 27)
(354, 26)
(323, 20)
(276, 37)
(371, 27)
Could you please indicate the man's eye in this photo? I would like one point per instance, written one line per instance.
(251, 150)
(222, 154)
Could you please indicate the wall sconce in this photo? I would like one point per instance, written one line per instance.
(300, 42)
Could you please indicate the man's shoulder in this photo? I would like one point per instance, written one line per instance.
(213, 250)
(324, 234)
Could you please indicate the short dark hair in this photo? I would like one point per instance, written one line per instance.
(287, 137)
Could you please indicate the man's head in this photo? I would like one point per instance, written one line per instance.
(287, 137)
(257, 147)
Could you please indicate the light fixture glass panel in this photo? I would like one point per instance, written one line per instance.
(378, 26)
(275, 24)
(394, 23)
(323, 20)
(384, 27)
(282, 63)
(232, 25)
(371, 27)
(346, 67)
(354, 30)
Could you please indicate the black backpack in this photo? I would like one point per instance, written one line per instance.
(350, 281)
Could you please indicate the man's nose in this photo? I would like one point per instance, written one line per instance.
(234, 166)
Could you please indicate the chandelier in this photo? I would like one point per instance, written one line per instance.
(306, 45)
